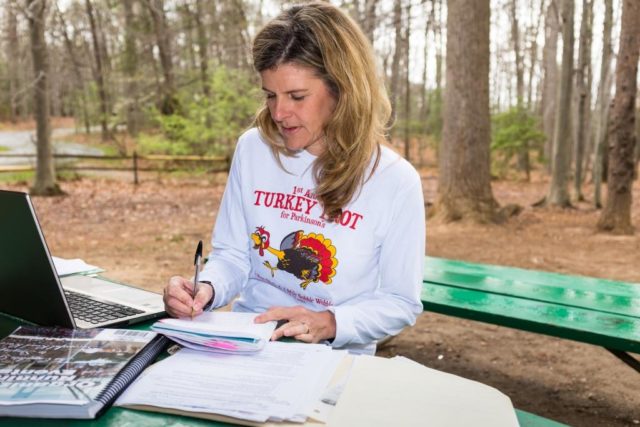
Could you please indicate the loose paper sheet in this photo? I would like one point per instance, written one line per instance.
(66, 267)
(281, 382)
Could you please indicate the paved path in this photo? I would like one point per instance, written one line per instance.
(23, 142)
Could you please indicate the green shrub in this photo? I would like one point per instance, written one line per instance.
(511, 131)
(205, 125)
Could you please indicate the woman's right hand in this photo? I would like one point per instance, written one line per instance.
(178, 300)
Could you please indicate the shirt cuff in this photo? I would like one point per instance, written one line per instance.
(345, 326)
(208, 306)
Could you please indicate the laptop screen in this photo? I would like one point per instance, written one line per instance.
(29, 285)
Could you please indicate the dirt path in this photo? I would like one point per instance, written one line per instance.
(144, 234)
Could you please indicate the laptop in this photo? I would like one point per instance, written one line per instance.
(31, 289)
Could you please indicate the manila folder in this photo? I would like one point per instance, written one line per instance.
(401, 392)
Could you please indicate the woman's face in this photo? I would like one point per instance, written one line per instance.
(300, 104)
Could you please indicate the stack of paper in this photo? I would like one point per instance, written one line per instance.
(283, 382)
(67, 267)
(223, 331)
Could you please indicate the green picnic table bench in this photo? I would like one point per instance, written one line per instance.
(594, 311)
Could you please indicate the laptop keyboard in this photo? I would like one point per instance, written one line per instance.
(93, 311)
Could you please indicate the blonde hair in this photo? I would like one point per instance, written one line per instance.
(322, 37)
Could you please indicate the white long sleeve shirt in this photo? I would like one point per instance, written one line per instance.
(272, 246)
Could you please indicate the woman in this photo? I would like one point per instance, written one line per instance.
(321, 226)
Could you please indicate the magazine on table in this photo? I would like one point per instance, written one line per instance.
(48, 372)
(220, 331)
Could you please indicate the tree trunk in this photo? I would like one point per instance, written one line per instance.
(146, 56)
(523, 152)
(187, 27)
(130, 65)
(104, 52)
(76, 67)
(424, 104)
(437, 98)
(407, 85)
(99, 75)
(55, 90)
(370, 21)
(561, 160)
(203, 51)
(13, 48)
(582, 92)
(533, 53)
(395, 66)
(438, 41)
(216, 44)
(616, 215)
(169, 103)
(355, 11)
(604, 93)
(424, 99)
(203, 56)
(464, 186)
(637, 155)
(235, 24)
(515, 39)
(45, 183)
(550, 84)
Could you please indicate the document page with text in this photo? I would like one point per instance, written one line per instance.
(279, 383)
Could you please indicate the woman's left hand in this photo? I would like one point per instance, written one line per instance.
(302, 324)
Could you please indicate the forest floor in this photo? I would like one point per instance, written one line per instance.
(144, 234)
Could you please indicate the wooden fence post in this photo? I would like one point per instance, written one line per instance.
(135, 167)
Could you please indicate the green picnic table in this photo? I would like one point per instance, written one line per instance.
(589, 310)
(127, 417)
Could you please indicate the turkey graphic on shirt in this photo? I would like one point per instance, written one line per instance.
(309, 257)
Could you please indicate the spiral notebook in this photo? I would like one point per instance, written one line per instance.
(70, 373)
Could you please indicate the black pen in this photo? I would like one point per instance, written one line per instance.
(197, 260)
